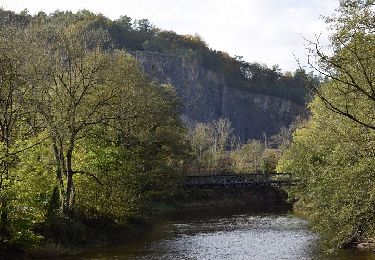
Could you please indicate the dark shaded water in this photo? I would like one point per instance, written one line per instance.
(225, 234)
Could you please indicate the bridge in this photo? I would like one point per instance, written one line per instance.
(227, 180)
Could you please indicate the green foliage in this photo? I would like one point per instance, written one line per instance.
(215, 146)
(27, 194)
(211, 142)
(254, 157)
(117, 188)
(142, 35)
(334, 158)
(133, 157)
(84, 134)
(248, 157)
(269, 160)
(333, 155)
(350, 67)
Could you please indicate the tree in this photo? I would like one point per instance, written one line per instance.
(332, 155)
(333, 159)
(78, 115)
(12, 88)
(248, 158)
(283, 138)
(211, 141)
(144, 26)
(222, 134)
(200, 140)
(125, 22)
(72, 94)
(350, 69)
(18, 136)
(11, 85)
(136, 154)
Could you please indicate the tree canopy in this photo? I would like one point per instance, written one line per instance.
(141, 35)
(83, 131)
(333, 154)
(350, 68)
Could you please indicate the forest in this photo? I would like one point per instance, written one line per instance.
(333, 153)
(141, 35)
(84, 134)
(87, 138)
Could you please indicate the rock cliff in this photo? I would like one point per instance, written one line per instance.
(206, 96)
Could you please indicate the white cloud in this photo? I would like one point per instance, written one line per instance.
(266, 31)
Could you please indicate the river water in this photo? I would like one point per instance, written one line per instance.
(225, 234)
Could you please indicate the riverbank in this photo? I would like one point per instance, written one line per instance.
(81, 236)
(223, 233)
(361, 244)
(105, 235)
(78, 234)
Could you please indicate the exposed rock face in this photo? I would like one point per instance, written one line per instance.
(206, 97)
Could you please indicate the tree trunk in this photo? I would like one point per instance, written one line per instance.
(4, 219)
(69, 198)
(59, 167)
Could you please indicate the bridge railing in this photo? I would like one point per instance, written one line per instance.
(215, 172)
(206, 171)
(239, 180)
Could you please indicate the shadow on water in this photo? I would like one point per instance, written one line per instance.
(236, 233)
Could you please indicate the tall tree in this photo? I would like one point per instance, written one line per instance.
(333, 154)
(12, 114)
(350, 68)
(333, 159)
(72, 94)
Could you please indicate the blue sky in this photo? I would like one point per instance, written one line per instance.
(265, 31)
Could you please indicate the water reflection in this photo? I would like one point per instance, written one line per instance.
(237, 237)
(209, 234)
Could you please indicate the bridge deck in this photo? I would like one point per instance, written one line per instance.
(238, 180)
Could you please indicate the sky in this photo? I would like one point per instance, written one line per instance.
(265, 31)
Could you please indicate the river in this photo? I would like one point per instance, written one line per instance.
(266, 233)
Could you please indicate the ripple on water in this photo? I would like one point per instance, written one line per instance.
(237, 237)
